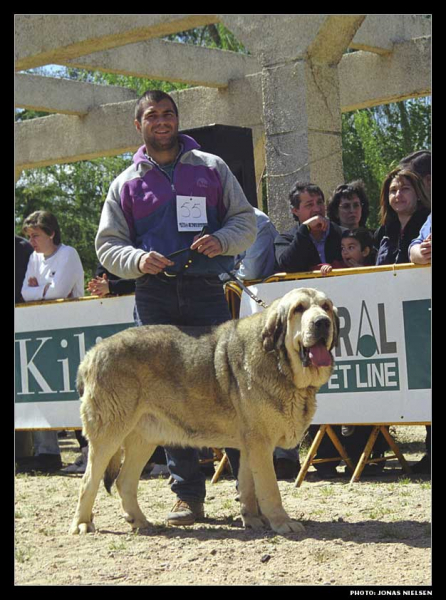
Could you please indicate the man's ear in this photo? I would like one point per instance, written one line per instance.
(137, 125)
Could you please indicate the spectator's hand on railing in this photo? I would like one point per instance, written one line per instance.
(99, 286)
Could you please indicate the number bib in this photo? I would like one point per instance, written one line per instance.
(191, 213)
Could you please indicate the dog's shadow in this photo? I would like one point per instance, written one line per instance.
(410, 533)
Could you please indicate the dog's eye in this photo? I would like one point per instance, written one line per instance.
(326, 306)
(299, 308)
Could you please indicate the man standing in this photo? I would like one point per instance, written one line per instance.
(160, 205)
(314, 239)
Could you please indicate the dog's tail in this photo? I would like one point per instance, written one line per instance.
(112, 471)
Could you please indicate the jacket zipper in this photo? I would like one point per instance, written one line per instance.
(171, 180)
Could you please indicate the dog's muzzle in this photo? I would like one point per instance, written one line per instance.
(318, 355)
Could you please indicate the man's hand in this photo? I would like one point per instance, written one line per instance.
(154, 263)
(207, 245)
(317, 224)
(426, 249)
(99, 286)
(421, 254)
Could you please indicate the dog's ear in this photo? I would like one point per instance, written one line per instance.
(273, 334)
(336, 325)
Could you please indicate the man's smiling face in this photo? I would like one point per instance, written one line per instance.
(159, 127)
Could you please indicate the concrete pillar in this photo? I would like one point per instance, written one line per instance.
(301, 99)
(303, 131)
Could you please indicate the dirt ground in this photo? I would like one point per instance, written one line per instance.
(372, 533)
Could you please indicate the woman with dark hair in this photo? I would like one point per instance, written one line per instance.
(349, 205)
(405, 207)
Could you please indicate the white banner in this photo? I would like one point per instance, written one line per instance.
(382, 370)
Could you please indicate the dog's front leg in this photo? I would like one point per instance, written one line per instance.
(267, 491)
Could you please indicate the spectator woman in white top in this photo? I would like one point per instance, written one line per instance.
(54, 271)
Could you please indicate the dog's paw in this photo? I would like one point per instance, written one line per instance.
(254, 522)
(82, 528)
(288, 526)
(137, 523)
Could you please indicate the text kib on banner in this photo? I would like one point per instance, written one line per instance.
(51, 340)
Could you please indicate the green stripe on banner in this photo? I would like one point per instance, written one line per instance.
(417, 332)
(46, 361)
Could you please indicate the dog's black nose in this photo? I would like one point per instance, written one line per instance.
(322, 325)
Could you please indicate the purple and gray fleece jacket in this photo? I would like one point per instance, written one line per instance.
(139, 213)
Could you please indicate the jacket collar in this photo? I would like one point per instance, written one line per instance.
(188, 143)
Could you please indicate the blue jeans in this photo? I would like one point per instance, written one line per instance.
(46, 442)
(234, 457)
(181, 300)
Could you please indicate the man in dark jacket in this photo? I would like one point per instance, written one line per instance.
(314, 239)
(23, 251)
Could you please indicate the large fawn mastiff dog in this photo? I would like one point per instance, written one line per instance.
(249, 384)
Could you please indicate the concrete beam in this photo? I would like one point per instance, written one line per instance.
(274, 39)
(364, 80)
(105, 131)
(49, 39)
(108, 130)
(50, 94)
(170, 61)
(379, 33)
(333, 38)
(370, 80)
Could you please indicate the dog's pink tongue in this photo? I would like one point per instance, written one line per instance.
(320, 356)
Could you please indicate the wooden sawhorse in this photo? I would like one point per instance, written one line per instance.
(364, 459)
(328, 430)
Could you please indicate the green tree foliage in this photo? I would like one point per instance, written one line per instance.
(210, 36)
(75, 194)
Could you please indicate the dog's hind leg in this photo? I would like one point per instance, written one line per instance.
(249, 507)
(137, 452)
(100, 453)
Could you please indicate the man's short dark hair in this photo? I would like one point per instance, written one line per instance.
(300, 187)
(420, 162)
(152, 96)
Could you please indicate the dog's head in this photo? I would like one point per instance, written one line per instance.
(305, 321)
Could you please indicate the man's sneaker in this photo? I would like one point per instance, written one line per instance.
(79, 465)
(185, 512)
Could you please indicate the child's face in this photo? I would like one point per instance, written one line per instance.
(352, 254)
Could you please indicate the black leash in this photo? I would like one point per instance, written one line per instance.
(231, 275)
(259, 301)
